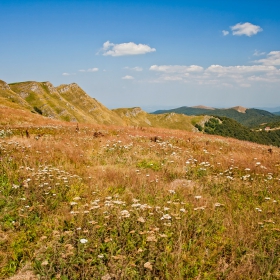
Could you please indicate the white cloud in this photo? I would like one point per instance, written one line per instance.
(138, 69)
(246, 28)
(240, 69)
(172, 78)
(273, 58)
(125, 49)
(93, 69)
(68, 74)
(225, 32)
(127, 77)
(258, 53)
(176, 68)
(89, 70)
(218, 75)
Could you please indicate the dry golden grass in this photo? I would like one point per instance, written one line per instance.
(106, 202)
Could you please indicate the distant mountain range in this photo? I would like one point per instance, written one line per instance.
(248, 117)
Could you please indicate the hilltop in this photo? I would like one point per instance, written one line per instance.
(65, 102)
(248, 117)
(137, 117)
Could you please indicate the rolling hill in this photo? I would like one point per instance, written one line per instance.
(248, 117)
(137, 117)
(65, 102)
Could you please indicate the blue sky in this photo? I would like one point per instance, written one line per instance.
(153, 54)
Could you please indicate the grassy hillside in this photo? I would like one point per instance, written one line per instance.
(229, 128)
(10, 99)
(109, 203)
(66, 102)
(139, 118)
(249, 117)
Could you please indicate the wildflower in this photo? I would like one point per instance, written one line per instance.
(101, 256)
(199, 208)
(198, 197)
(218, 204)
(44, 263)
(151, 238)
(83, 241)
(136, 205)
(171, 191)
(125, 214)
(141, 220)
(166, 217)
(148, 265)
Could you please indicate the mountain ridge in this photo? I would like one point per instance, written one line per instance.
(68, 102)
(248, 117)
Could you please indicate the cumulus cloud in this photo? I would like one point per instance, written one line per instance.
(89, 70)
(225, 32)
(241, 69)
(127, 77)
(138, 69)
(246, 28)
(68, 74)
(176, 68)
(218, 75)
(172, 78)
(258, 53)
(110, 49)
(273, 58)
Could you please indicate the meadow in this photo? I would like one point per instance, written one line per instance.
(108, 202)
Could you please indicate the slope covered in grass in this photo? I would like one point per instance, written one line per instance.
(109, 203)
(247, 117)
(139, 118)
(66, 102)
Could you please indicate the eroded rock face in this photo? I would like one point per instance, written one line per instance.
(65, 88)
(23, 94)
(35, 88)
(134, 112)
(51, 88)
(4, 85)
